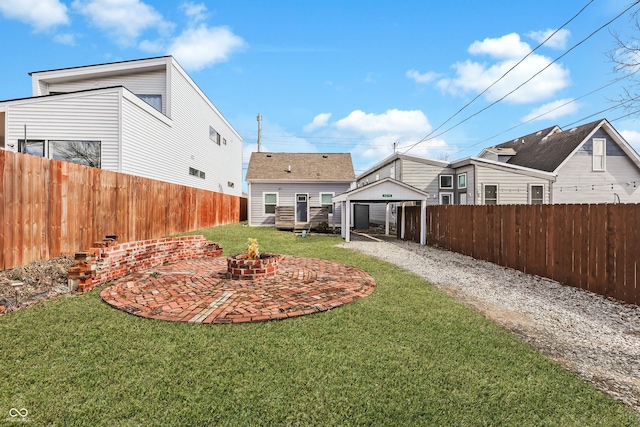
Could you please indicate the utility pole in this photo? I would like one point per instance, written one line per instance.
(259, 129)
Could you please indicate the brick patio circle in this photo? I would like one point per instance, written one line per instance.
(199, 291)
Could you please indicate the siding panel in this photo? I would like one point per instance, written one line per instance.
(286, 197)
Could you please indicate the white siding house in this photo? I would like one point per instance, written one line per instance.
(145, 117)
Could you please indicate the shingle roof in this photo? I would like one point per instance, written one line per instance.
(545, 150)
(301, 167)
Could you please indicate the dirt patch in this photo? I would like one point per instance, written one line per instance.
(29, 284)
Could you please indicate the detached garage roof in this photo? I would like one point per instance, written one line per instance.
(301, 167)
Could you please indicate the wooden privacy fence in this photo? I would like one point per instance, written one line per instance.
(49, 207)
(592, 247)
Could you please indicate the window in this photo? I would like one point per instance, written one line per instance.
(490, 194)
(462, 180)
(86, 153)
(446, 198)
(377, 177)
(537, 194)
(326, 200)
(230, 184)
(270, 202)
(154, 100)
(197, 173)
(35, 148)
(214, 135)
(224, 141)
(446, 181)
(599, 154)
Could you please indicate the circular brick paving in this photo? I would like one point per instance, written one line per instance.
(198, 291)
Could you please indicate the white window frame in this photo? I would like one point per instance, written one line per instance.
(531, 193)
(325, 204)
(448, 187)
(484, 198)
(264, 203)
(214, 135)
(295, 209)
(465, 180)
(594, 157)
(446, 193)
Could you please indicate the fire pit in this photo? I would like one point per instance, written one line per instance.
(240, 267)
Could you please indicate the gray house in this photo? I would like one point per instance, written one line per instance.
(296, 190)
(591, 163)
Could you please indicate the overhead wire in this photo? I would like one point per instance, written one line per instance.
(509, 70)
(526, 81)
(552, 110)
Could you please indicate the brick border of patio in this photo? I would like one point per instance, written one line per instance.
(199, 291)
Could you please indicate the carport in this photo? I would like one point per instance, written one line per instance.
(387, 190)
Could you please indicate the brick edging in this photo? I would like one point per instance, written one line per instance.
(107, 260)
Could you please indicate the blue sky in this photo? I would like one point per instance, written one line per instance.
(347, 76)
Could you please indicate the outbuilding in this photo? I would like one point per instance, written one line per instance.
(387, 191)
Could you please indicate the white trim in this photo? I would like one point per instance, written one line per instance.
(579, 146)
(440, 186)
(529, 196)
(484, 202)
(446, 193)
(249, 204)
(331, 193)
(264, 204)
(604, 154)
(295, 206)
(458, 180)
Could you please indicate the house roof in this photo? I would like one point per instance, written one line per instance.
(547, 149)
(397, 156)
(129, 63)
(385, 190)
(327, 167)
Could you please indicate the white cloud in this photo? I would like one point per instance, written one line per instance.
(371, 78)
(197, 48)
(400, 122)
(67, 39)
(422, 78)
(123, 20)
(475, 77)
(41, 14)
(196, 12)
(553, 110)
(505, 47)
(403, 126)
(632, 137)
(318, 122)
(558, 41)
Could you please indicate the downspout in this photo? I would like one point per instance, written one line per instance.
(249, 203)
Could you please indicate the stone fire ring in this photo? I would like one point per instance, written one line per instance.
(200, 291)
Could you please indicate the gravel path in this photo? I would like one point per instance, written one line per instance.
(597, 338)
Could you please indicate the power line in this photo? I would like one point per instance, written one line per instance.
(508, 71)
(550, 111)
(526, 81)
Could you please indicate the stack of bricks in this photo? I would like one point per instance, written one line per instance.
(107, 260)
(240, 267)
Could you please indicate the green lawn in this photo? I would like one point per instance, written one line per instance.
(406, 355)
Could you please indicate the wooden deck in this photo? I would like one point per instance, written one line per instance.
(285, 218)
